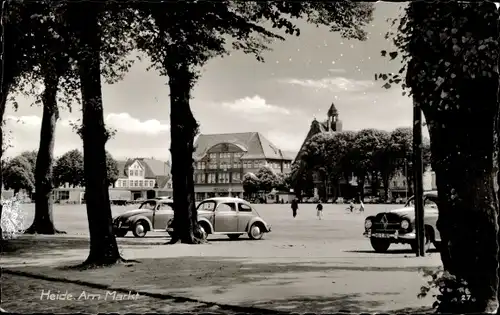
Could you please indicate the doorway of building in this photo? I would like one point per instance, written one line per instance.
(151, 194)
(136, 195)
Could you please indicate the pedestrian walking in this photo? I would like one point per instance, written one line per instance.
(319, 210)
(294, 206)
(351, 206)
(361, 206)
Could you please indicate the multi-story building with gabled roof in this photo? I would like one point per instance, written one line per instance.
(221, 160)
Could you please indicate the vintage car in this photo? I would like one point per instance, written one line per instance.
(152, 215)
(398, 226)
(230, 216)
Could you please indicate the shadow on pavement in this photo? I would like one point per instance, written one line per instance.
(31, 246)
(344, 303)
(389, 252)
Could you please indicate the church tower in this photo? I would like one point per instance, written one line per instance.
(333, 123)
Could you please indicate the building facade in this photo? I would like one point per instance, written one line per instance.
(139, 178)
(221, 161)
(143, 177)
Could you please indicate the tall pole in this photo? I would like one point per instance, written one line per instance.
(406, 179)
(418, 178)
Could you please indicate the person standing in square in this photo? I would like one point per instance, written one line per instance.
(294, 206)
(319, 210)
(361, 206)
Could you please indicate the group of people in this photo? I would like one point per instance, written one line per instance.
(319, 208)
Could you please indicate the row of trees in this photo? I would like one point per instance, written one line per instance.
(19, 171)
(52, 44)
(370, 155)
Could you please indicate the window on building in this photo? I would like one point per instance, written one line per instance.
(136, 173)
(394, 183)
(236, 177)
(130, 173)
(146, 183)
(151, 183)
(212, 176)
(140, 183)
(63, 194)
(136, 183)
(255, 164)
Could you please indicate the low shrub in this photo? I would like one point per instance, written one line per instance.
(453, 295)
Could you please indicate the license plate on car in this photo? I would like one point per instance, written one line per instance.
(382, 235)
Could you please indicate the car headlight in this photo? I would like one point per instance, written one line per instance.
(368, 224)
(405, 224)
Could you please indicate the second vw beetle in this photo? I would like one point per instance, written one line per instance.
(229, 216)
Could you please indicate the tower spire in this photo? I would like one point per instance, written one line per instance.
(333, 112)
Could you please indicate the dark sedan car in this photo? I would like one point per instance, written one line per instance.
(398, 226)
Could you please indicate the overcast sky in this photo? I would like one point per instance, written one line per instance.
(299, 80)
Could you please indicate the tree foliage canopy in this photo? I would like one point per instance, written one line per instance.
(367, 152)
(18, 174)
(69, 169)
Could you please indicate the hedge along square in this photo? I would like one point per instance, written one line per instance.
(13, 218)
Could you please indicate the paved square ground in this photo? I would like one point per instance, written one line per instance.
(304, 264)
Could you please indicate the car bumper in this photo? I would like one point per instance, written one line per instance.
(394, 236)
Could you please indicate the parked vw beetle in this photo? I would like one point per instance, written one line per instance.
(398, 226)
(152, 215)
(230, 216)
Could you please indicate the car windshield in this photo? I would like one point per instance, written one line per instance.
(149, 205)
(206, 206)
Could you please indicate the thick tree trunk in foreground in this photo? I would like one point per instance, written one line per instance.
(462, 137)
(103, 246)
(183, 128)
(3, 102)
(44, 221)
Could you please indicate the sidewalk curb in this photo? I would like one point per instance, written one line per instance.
(177, 299)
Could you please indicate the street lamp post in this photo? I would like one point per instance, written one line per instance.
(418, 179)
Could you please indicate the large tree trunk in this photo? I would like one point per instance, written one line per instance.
(462, 137)
(3, 101)
(183, 129)
(44, 221)
(103, 246)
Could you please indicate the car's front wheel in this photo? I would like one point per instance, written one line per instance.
(139, 229)
(380, 245)
(256, 232)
